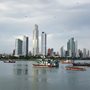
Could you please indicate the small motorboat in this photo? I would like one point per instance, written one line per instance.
(9, 61)
(75, 68)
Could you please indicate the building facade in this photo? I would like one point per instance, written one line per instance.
(76, 49)
(62, 52)
(84, 53)
(43, 43)
(25, 46)
(18, 47)
(71, 48)
(35, 40)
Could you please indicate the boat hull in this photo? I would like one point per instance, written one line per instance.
(9, 61)
(41, 65)
(75, 68)
(81, 64)
(48, 63)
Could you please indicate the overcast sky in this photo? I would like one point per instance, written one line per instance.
(60, 19)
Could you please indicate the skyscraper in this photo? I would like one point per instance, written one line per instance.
(71, 47)
(43, 43)
(84, 53)
(88, 53)
(35, 40)
(25, 46)
(18, 47)
(62, 52)
(76, 49)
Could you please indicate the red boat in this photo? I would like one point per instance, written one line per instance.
(75, 68)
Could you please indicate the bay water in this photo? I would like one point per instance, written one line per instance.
(23, 76)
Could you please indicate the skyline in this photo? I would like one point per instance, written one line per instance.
(61, 20)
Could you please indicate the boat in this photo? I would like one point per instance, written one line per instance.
(75, 68)
(66, 61)
(81, 64)
(47, 63)
(41, 65)
(9, 61)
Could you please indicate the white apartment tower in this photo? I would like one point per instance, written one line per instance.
(35, 40)
(43, 43)
(25, 46)
(18, 47)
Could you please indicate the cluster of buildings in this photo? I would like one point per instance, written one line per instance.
(73, 51)
(21, 47)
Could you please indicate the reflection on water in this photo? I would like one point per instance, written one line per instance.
(21, 76)
(21, 69)
(39, 79)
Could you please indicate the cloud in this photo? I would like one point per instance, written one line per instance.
(60, 19)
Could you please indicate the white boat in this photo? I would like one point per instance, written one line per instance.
(47, 63)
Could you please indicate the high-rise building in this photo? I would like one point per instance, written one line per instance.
(68, 48)
(49, 52)
(43, 43)
(71, 47)
(76, 49)
(52, 52)
(18, 47)
(35, 40)
(62, 52)
(80, 53)
(88, 53)
(84, 53)
(25, 46)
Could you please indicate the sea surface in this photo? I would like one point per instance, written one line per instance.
(23, 76)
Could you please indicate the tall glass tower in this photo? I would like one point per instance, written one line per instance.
(18, 47)
(43, 43)
(25, 46)
(35, 40)
(76, 49)
(62, 52)
(71, 47)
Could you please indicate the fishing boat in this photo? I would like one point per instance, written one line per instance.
(75, 68)
(47, 63)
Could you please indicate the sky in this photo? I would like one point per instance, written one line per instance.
(60, 19)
